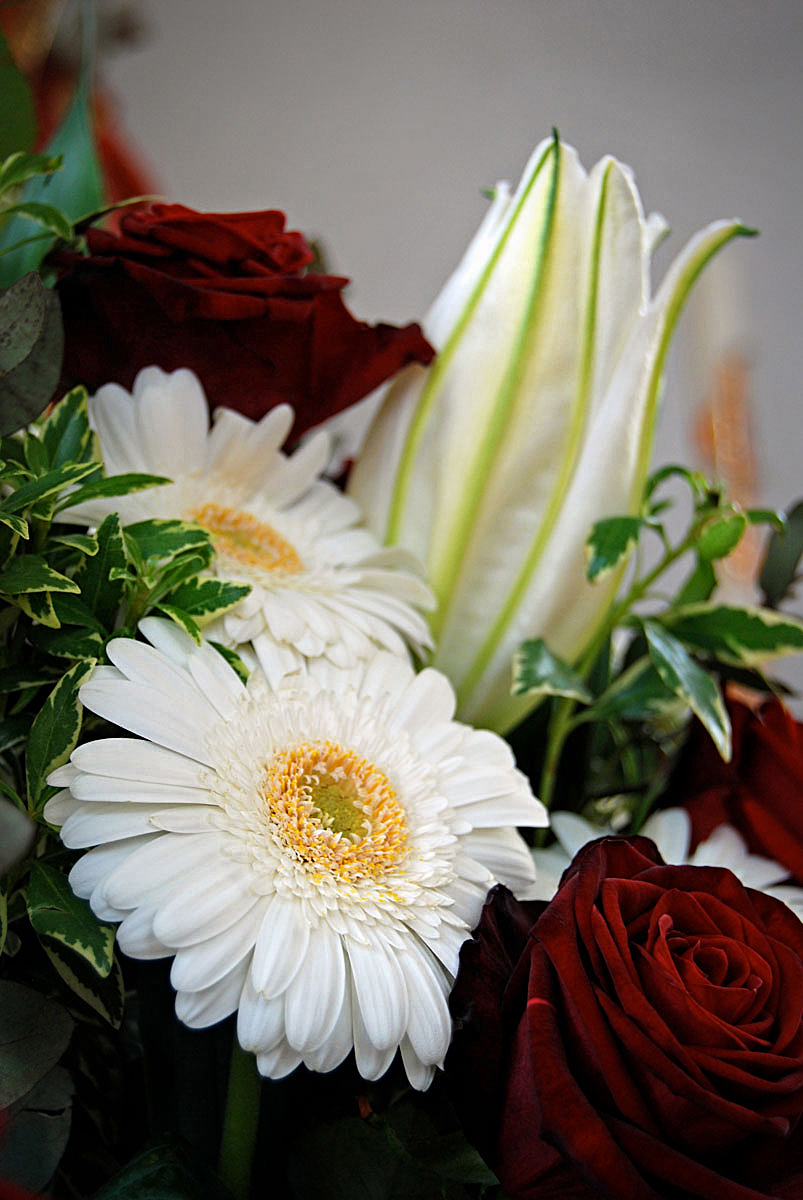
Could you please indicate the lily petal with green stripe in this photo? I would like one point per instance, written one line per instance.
(534, 422)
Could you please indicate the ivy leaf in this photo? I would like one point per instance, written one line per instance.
(31, 349)
(609, 543)
(690, 682)
(538, 672)
(743, 636)
(57, 913)
(54, 734)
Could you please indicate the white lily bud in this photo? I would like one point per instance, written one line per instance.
(535, 420)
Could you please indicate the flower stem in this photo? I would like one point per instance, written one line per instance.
(560, 724)
(240, 1123)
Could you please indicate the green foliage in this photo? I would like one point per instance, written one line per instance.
(31, 350)
(57, 914)
(17, 119)
(780, 570)
(538, 672)
(681, 674)
(609, 544)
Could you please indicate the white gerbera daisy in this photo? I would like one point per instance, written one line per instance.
(321, 584)
(670, 829)
(313, 852)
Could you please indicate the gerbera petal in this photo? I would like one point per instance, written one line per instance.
(380, 991)
(260, 1020)
(281, 945)
(204, 963)
(278, 1062)
(315, 995)
(212, 1004)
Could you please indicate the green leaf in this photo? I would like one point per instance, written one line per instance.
(638, 694)
(54, 734)
(609, 542)
(233, 659)
(18, 168)
(57, 913)
(779, 572)
(72, 610)
(14, 679)
(17, 117)
(697, 483)
(30, 573)
(34, 1033)
(66, 434)
(31, 349)
(46, 215)
(722, 536)
(104, 994)
(538, 672)
(182, 619)
(205, 599)
(699, 585)
(114, 485)
(767, 516)
(163, 1172)
(67, 643)
(167, 538)
(100, 592)
(49, 484)
(78, 187)
(690, 682)
(744, 636)
(350, 1157)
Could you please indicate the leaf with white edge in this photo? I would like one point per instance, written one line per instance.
(72, 610)
(233, 659)
(16, 524)
(721, 537)
(70, 643)
(66, 434)
(691, 683)
(20, 167)
(30, 573)
(52, 219)
(638, 694)
(54, 734)
(47, 485)
(538, 672)
(609, 543)
(102, 588)
(14, 679)
(182, 619)
(34, 1033)
(167, 538)
(743, 636)
(205, 599)
(87, 543)
(106, 995)
(113, 485)
(780, 570)
(57, 913)
(39, 607)
(699, 585)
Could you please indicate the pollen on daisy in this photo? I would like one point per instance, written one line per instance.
(321, 583)
(311, 848)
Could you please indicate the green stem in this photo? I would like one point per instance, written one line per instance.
(559, 728)
(240, 1123)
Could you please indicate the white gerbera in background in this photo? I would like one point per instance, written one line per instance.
(670, 829)
(313, 851)
(320, 582)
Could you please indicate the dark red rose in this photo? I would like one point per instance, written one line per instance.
(760, 790)
(226, 295)
(640, 1036)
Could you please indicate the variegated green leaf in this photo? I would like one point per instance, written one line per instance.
(54, 733)
(58, 914)
(691, 683)
(538, 672)
(743, 636)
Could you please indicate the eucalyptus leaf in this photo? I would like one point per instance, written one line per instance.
(167, 1171)
(780, 569)
(54, 733)
(58, 914)
(37, 1132)
(34, 1033)
(609, 543)
(538, 672)
(31, 350)
(690, 682)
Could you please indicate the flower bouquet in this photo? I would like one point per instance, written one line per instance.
(382, 813)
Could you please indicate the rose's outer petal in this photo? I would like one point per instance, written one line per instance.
(759, 790)
(223, 295)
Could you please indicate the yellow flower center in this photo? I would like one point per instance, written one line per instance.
(239, 537)
(335, 811)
